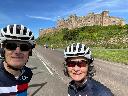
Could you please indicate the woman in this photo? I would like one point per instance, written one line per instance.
(79, 66)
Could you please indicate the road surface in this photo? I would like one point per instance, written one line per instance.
(49, 80)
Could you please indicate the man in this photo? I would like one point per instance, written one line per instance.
(79, 66)
(17, 42)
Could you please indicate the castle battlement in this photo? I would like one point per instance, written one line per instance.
(73, 21)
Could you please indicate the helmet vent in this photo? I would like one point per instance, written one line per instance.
(8, 36)
(14, 37)
(74, 49)
(87, 52)
(18, 28)
(5, 30)
(11, 30)
(69, 49)
(79, 49)
(24, 31)
(30, 33)
(24, 38)
(32, 38)
(79, 54)
(17, 31)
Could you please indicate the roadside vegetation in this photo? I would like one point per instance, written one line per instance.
(113, 55)
(108, 42)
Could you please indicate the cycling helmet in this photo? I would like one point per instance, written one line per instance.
(16, 32)
(78, 49)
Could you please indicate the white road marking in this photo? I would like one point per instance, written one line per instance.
(43, 61)
(47, 67)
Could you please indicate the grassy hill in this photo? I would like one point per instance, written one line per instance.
(96, 37)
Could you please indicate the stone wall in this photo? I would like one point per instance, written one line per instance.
(91, 19)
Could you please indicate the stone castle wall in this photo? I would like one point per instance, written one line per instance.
(91, 19)
(45, 31)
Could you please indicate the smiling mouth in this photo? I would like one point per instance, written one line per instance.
(76, 73)
(17, 57)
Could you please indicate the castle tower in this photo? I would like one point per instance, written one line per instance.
(105, 18)
(105, 13)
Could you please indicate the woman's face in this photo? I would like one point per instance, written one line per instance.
(77, 68)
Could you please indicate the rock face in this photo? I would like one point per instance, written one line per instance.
(91, 19)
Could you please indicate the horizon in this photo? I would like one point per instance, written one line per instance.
(86, 15)
(42, 14)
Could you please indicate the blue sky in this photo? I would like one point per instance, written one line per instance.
(36, 14)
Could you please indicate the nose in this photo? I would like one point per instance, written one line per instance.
(18, 50)
(76, 68)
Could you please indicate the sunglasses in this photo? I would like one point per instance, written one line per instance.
(13, 46)
(81, 63)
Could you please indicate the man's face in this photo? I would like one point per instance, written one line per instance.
(16, 53)
(77, 68)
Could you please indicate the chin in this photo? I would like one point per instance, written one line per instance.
(17, 64)
(77, 78)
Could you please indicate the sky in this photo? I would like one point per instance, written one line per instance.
(36, 14)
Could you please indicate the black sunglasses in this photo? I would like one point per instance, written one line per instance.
(13, 46)
(81, 63)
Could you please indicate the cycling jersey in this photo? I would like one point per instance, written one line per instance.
(12, 86)
(90, 88)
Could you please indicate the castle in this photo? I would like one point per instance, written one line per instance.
(91, 19)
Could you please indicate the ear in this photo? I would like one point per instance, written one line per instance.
(30, 52)
(65, 70)
(2, 52)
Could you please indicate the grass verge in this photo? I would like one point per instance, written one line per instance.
(114, 55)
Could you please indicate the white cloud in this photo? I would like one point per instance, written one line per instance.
(40, 17)
(100, 5)
(114, 6)
(84, 7)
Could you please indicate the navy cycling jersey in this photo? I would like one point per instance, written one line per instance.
(11, 86)
(90, 88)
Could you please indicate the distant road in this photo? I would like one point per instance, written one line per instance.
(49, 80)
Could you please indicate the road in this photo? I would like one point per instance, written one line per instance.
(49, 80)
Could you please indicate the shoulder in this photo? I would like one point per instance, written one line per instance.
(6, 78)
(27, 74)
(101, 89)
(1, 68)
(27, 71)
(1, 62)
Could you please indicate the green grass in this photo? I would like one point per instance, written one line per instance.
(114, 55)
(112, 38)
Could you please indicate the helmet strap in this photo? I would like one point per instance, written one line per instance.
(13, 68)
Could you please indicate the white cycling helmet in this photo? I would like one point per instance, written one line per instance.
(78, 49)
(16, 32)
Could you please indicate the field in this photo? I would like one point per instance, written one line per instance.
(114, 55)
(108, 42)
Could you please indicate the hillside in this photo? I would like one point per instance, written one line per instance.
(113, 37)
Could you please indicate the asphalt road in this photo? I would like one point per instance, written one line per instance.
(49, 80)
